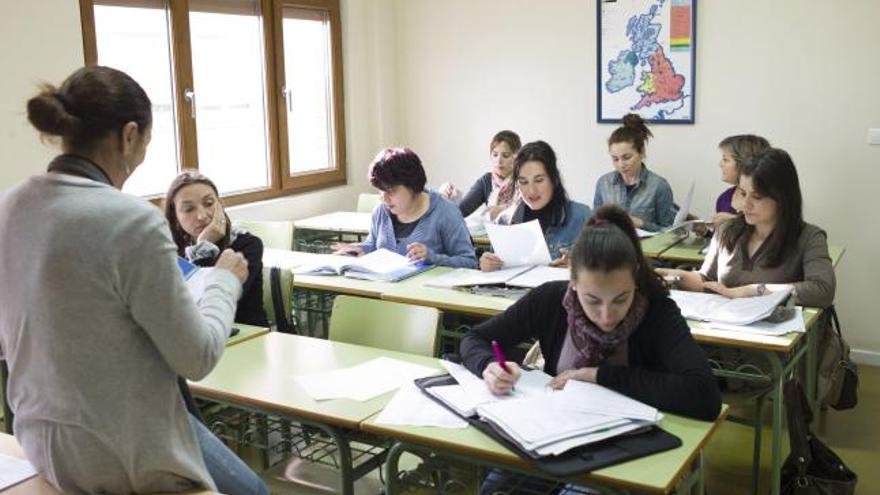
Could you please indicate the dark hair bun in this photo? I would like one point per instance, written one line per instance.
(47, 113)
(636, 122)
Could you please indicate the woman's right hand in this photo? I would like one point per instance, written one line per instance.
(346, 249)
(501, 380)
(217, 228)
(489, 262)
(234, 262)
(448, 190)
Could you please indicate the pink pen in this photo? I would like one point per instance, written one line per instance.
(499, 356)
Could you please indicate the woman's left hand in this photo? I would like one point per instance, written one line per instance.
(217, 228)
(580, 374)
(563, 260)
(417, 252)
(638, 222)
(730, 292)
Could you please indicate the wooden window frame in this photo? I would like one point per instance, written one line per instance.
(281, 183)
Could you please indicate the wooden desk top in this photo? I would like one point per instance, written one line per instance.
(657, 473)
(260, 373)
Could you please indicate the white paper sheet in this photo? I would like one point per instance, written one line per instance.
(593, 398)
(465, 277)
(364, 381)
(520, 244)
(795, 324)
(411, 407)
(540, 275)
(14, 470)
(717, 308)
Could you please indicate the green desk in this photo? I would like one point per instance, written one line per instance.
(674, 471)
(245, 333)
(257, 375)
(653, 247)
(784, 353)
(316, 234)
(686, 250)
(413, 291)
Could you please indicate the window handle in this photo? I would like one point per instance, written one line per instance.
(287, 93)
(190, 96)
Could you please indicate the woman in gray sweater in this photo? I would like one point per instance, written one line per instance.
(97, 323)
(768, 246)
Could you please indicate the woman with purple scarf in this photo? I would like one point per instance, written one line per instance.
(613, 324)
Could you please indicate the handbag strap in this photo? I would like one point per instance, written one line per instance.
(799, 415)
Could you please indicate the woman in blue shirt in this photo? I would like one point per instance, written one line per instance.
(543, 198)
(411, 221)
(645, 195)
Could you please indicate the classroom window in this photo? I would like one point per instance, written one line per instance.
(247, 91)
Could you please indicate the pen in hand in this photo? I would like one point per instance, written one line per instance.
(499, 357)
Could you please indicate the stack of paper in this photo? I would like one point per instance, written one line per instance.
(717, 308)
(410, 407)
(541, 421)
(381, 264)
(364, 381)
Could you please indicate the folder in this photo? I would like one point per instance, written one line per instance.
(638, 442)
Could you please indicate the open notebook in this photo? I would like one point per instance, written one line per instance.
(381, 264)
(541, 424)
(520, 276)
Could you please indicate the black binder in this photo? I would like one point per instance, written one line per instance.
(638, 443)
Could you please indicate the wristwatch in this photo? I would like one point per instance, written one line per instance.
(761, 289)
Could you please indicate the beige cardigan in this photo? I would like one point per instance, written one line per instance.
(808, 268)
(96, 325)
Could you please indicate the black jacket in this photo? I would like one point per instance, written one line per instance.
(666, 368)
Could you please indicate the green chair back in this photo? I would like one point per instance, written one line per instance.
(286, 278)
(274, 234)
(385, 325)
(367, 202)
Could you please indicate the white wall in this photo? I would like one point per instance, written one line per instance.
(41, 41)
(806, 77)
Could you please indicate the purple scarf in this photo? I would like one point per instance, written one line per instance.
(586, 345)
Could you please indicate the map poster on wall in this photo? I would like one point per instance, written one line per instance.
(646, 60)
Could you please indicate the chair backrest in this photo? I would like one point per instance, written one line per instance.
(274, 234)
(385, 324)
(367, 202)
(285, 292)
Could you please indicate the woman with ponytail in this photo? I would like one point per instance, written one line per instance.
(612, 323)
(645, 195)
(97, 323)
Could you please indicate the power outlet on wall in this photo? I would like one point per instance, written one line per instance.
(874, 136)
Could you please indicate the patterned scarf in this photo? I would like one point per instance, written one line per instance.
(502, 191)
(586, 345)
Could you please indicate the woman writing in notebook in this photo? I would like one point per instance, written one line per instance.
(613, 324)
(542, 198)
(735, 151)
(768, 246)
(495, 189)
(645, 195)
(117, 324)
(411, 221)
(202, 230)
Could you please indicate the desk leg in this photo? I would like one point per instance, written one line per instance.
(7, 412)
(812, 365)
(391, 465)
